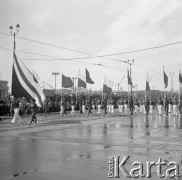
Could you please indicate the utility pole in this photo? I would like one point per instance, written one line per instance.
(171, 74)
(55, 74)
(14, 33)
(74, 79)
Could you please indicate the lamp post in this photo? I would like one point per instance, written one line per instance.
(171, 74)
(55, 74)
(14, 33)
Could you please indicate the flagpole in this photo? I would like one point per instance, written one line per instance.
(179, 86)
(164, 89)
(180, 118)
(146, 86)
(61, 89)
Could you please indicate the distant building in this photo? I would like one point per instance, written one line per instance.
(3, 89)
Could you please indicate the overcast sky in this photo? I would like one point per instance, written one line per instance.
(95, 27)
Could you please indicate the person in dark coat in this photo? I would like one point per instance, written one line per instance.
(89, 106)
(105, 106)
(34, 110)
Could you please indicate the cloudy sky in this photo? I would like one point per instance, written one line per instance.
(94, 27)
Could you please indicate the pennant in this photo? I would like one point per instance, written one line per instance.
(147, 83)
(25, 83)
(107, 86)
(165, 80)
(88, 78)
(66, 82)
(129, 79)
(81, 80)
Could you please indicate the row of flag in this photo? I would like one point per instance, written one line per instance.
(26, 83)
(67, 82)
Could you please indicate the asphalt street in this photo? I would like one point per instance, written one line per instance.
(74, 147)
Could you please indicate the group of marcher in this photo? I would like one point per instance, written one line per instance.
(88, 104)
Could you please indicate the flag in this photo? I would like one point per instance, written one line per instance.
(81, 80)
(107, 86)
(165, 80)
(129, 79)
(147, 83)
(88, 78)
(180, 79)
(66, 82)
(25, 83)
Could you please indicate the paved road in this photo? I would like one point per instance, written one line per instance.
(78, 147)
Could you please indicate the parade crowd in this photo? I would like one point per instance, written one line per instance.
(86, 104)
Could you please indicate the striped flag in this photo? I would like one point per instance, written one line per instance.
(26, 83)
(107, 86)
(81, 80)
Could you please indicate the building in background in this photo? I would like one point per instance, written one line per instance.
(3, 89)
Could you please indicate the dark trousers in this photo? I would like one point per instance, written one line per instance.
(33, 117)
(105, 111)
(89, 111)
(81, 111)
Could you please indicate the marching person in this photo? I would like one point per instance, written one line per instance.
(170, 104)
(159, 105)
(105, 106)
(112, 105)
(150, 105)
(45, 106)
(64, 106)
(136, 105)
(89, 104)
(142, 106)
(175, 102)
(119, 105)
(34, 110)
(16, 111)
(61, 107)
(93, 104)
(83, 106)
(99, 106)
(125, 105)
(147, 106)
(72, 106)
(80, 106)
(166, 105)
(108, 105)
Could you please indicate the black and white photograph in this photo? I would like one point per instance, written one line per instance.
(90, 89)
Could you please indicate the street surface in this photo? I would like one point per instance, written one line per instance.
(78, 148)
